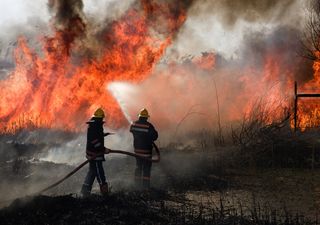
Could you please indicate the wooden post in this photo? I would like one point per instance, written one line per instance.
(295, 105)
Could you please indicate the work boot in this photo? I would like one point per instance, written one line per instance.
(86, 190)
(104, 189)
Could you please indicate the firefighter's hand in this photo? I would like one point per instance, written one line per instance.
(91, 155)
(106, 150)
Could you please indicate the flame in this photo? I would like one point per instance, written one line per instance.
(189, 90)
(206, 62)
(60, 86)
(308, 110)
(270, 95)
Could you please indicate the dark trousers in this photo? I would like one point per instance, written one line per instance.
(95, 171)
(143, 172)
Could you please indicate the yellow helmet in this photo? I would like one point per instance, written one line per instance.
(99, 113)
(144, 113)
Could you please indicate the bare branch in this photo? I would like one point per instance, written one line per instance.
(189, 113)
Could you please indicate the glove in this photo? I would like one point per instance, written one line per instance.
(106, 150)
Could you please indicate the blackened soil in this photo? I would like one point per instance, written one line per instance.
(152, 207)
(121, 208)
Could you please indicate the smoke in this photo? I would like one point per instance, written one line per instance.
(314, 5)
(230, 12)
(220, 26)
(29, 20)
(105, 11)
(36, 19)
(256, 46)
(283, 43)
(64, 11)
(30, 161)
(187, 95)
(72, 152)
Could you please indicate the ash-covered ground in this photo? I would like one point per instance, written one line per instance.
(189, 186)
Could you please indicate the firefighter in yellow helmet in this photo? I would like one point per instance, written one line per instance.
(95, 151)
(144, 134)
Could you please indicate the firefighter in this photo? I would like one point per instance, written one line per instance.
(144, 134)
(95, 151)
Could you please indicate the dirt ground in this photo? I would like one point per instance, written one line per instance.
(181, 172)
(288, 190)
(182, 177)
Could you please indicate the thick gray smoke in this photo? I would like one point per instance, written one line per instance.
(66, 13)
(314, 5)
(19, 18)
(263, 64)
(220, 25)
(229, 12)
(33, 20)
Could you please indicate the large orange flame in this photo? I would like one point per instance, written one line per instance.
(61, 85)
(60, 89)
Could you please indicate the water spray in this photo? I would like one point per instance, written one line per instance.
(115, 89)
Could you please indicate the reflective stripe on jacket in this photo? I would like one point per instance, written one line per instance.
(144, 134)
(95, 139)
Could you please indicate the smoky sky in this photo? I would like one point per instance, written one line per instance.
(230, 11)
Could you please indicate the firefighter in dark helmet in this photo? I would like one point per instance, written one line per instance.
(144, 134)
(95, 151)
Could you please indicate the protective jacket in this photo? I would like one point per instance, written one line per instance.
(144, 135)
(95, 139)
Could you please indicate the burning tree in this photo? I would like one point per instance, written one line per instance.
(308, 113)
(311, 36)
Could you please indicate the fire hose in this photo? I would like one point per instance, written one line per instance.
(156, 159)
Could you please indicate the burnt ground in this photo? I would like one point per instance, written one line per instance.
(155, 207)
(189, 187)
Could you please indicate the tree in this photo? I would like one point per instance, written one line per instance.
(311, 37)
